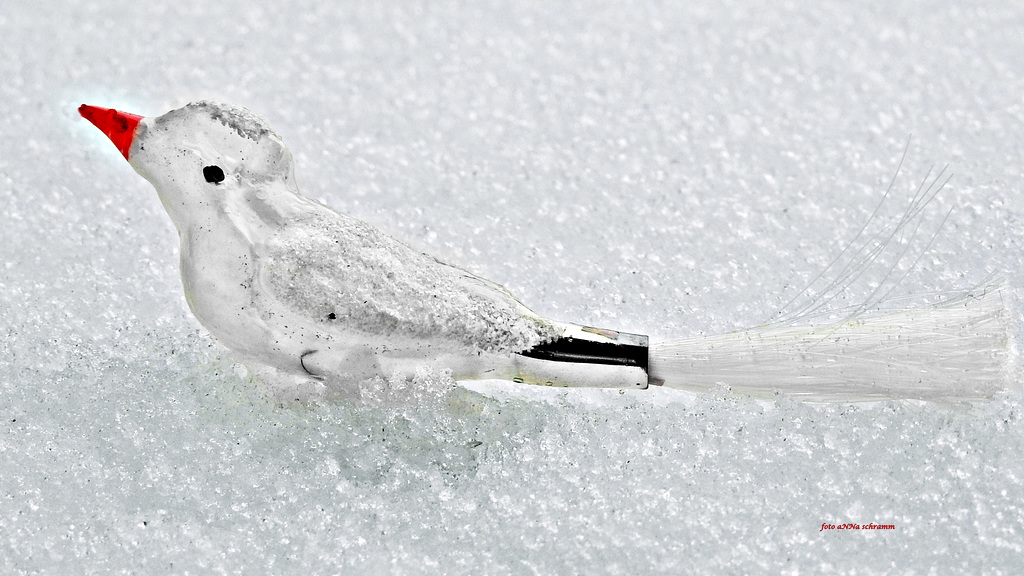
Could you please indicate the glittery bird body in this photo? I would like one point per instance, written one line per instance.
(297, 288)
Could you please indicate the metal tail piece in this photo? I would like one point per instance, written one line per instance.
(584, 356)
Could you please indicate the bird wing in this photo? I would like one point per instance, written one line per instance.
(350, 278)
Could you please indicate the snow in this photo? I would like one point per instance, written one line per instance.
(655, 168)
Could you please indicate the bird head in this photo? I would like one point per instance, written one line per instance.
(200, 158)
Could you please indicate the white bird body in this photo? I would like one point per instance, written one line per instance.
(291, 285)
(319, 302)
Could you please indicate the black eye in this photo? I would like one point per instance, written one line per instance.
(213, 174)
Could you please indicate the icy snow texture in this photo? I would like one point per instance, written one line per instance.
(674, 169)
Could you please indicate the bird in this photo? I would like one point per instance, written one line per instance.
(323, 301)
(318, 303)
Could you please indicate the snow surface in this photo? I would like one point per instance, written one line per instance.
(663, 168)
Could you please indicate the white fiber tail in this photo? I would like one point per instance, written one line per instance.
(954, 350)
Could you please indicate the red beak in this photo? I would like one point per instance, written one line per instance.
(118, 126)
